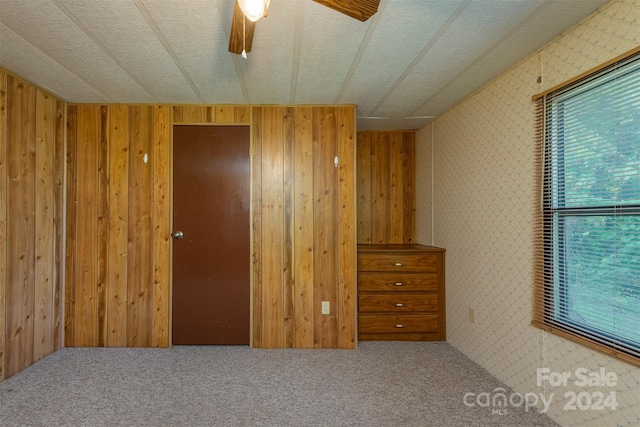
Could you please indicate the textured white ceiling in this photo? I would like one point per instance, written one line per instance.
(408, 63)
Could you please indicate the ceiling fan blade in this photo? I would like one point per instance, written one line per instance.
(236, 34)
(358, 9)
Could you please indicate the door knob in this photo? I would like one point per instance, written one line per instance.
(177, 235)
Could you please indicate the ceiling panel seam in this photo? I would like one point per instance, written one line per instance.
(507, 36)
(236, 58)
(361, 50)
(35, 46)
(167, 47)
(93, 38)
(297, 46)
(434, 40)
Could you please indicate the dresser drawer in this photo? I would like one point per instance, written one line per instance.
(403, 282)
(397, 302)
(397, 323)
(419, 262)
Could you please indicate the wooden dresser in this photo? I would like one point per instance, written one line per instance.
(401, 293)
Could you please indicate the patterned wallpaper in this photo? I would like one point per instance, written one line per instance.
(480, 155)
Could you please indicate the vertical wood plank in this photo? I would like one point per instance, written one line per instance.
(380, 167)
(396, 188)
(325, 223)
(102, 294)
(70, 222)
(288, 267)
(177, 114)
(224, 114)
(140, 253)
(86, 277)
(3, 216)
(272, 228)
(256, 224)
(29, 176)
(241, 115)
(303, 250)
(210, 114)
(347, 234)
(118, 196)
(19, 295)
(409, 197)
(161, 230)
(44, 227)
(59, 200)
(363, 173)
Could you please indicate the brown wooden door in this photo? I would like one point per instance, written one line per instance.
(211, 208)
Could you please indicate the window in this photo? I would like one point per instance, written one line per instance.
(588, 273)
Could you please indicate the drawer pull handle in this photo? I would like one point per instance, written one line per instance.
(398, 264)
(399, 326)
(399, 304)
(399, 284)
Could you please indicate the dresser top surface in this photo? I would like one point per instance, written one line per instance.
(373, 248)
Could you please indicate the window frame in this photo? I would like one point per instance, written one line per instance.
(550, 242)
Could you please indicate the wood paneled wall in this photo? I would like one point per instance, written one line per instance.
(303, 223)
(303, 215)
(31, 223)
(118, 226)
(386, 186)
(104, 230)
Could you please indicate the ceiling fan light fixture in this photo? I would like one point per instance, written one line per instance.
(254, 9)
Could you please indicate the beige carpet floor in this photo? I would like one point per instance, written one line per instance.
(379, 384)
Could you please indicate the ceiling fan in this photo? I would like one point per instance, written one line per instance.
(247, 12)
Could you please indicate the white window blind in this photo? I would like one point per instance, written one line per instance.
(588, 286)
